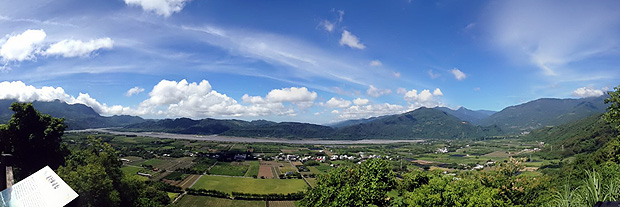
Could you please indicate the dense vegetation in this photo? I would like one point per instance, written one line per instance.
(420, 123)
(93, 170)
(544, 112)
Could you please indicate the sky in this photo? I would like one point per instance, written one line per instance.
(305, 61)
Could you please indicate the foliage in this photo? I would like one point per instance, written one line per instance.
(94, 173)
(544, 112)
(360, 185)
(613, 110)
(33, 138)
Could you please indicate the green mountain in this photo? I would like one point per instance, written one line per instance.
(422, 123)
(77, 116)
(544, 112)
(581, 136)
(471, 116)
(352, 122)
(259, 128)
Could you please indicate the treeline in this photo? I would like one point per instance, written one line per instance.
(246, 196)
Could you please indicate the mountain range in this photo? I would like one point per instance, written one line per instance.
(77, 116)
(422, 123)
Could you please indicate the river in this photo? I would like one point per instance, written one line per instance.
(218, 138)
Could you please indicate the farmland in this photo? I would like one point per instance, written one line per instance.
(266, 168)
(250, 185)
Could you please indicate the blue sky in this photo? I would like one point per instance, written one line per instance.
(308, 61)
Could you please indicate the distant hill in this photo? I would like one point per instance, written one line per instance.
(581, 136)
(471, 116)
(354, 122)
(77, 116)
(232, 127)
(422, 123)
(544, 112)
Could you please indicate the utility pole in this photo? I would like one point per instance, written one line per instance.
(6, 171)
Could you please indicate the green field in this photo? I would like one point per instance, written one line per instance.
(253, 170)
(200, 201)
(172, 196)
(152, 162)
(131, 170)
(250, 185)
(226, 168)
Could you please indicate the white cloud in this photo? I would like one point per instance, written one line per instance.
(367, 111)
(458, 74)
(327, 25)
(551, 35)
(22, 46)
(437, 92)
(351, 40)
(396, 74)
(161, 7)
(424, 98)
(340, 15)
(433, 75)
(134, 91)
(587, 92)
(77, 48)
(21, 92)
(291, 94)
(337, 103)
(376, 92)
(375, 63)
(401, 91)
(360, 101)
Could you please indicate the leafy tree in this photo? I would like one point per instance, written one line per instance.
(613, 110)
(34, 139)
(360, 185)
(447, 190)
(94, 173)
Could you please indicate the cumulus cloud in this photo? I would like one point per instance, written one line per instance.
(367, 111)
(376, 92)
(161, 7)
(337, 103)
(78, 48)
(458, 74)
(134, 91)
(351, 40)
(375, 63)
(585, 92)
(22, 46)
(401, 91)
(423, 98)
(291, 94)
(360, 101)
(21, 92)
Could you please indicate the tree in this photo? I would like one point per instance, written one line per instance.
(613, 110)
(34, 139)
(94, 173)
(361, 185)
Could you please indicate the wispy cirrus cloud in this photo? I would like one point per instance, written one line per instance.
(551, 36)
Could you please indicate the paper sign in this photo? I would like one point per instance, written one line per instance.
(43, 188)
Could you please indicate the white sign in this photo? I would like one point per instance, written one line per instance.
(41, 189)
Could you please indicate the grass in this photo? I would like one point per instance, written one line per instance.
(250, 185)
(152, 162)
(225, 168)
(323, 168)
(131, 170)
(176, 176)
(253, 169)
(172, 196)
(200, 201)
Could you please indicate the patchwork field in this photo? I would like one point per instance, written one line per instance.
(265, 172)
(229, 168)
(281, 203)
(201, 201)
(250, 185)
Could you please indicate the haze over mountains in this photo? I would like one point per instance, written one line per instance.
(422, 123)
